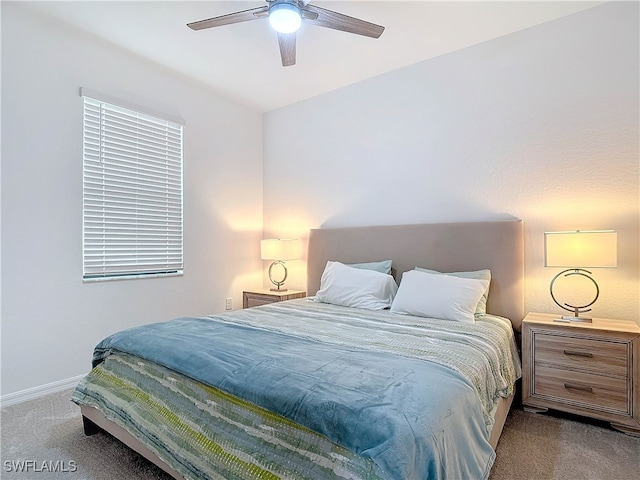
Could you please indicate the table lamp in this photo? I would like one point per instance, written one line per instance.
(577, 250)
(279, 250)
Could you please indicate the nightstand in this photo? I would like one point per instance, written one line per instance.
(254, 298)
(589, 369)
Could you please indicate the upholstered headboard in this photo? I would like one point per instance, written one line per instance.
(447, 247)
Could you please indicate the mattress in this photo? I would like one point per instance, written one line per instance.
(301, 389)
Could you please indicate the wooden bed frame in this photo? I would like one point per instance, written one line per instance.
(447, 247)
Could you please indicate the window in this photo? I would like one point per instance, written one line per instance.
(132, 193)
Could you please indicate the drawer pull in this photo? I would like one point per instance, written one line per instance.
(578, 354)
(584, 388)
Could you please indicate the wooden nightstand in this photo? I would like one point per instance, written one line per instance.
(590, 369)
(253, 298)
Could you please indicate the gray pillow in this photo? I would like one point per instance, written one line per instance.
(382, 267)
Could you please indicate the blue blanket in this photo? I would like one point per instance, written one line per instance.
(402, 412)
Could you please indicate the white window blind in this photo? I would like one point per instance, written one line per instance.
(132, 193)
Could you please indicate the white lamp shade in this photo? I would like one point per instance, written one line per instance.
(280, 249)
(581, 249)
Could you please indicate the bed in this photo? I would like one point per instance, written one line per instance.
(320, 389)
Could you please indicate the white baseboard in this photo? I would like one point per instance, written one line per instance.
(37, 392)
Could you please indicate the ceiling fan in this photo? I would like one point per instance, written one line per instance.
(286, 16)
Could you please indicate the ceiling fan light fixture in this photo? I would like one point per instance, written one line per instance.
(285, 17)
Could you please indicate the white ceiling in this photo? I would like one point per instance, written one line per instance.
(242, 61)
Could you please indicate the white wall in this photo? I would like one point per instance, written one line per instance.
(541, 125)
(51, 320)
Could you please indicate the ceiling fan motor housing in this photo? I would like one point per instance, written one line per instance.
(285, 16)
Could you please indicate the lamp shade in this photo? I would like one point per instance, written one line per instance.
(581, 249)
(279, 249)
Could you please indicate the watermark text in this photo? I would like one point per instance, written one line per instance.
(40, 466)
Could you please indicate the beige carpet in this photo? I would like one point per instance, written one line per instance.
(532, 446)
(564, 447)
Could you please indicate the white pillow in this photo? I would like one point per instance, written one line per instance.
(481, 308)
(355, 287)
(438, 296)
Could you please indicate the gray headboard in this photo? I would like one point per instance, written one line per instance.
(447, 247)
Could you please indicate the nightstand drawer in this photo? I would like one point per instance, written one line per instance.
(255, 298)
(598, 391)
(256, 301)
(595, 356)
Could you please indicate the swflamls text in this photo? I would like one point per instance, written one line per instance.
(44, 466)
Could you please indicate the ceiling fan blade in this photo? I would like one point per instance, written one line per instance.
(308, 15)
(287, 42)
(338, 21)
(237, 17)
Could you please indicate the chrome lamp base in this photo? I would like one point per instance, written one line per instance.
(577, 310)
(573, 318)
(278, 283)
